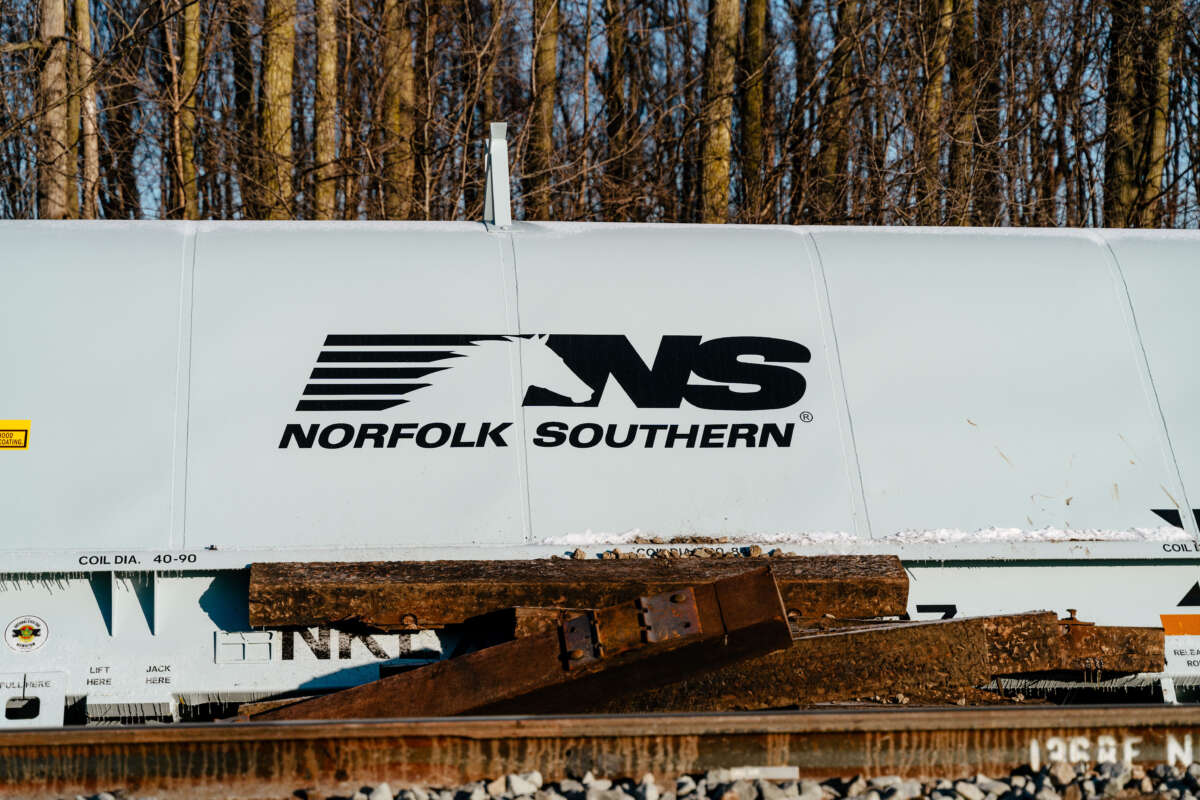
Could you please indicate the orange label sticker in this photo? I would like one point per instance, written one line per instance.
(1180, 624)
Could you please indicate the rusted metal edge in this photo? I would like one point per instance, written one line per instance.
(929, 662)
(276, 759)
(647, 642)
(634, 725)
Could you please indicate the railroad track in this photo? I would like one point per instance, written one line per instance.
(275, 759)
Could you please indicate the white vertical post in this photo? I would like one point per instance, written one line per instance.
(497, 205)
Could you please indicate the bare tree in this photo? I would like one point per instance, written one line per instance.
(90, 133)
(935, 59)
(1120, 191)
(960, 179)
(753, 74)
(720, 57)
(189, 77)
(279, 37)
(1163, 22)
(52, 124)
(325, 116)
(399, 98)
(834, 127)
(988, 112)
(544, 85)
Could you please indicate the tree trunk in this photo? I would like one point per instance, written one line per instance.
(962, 131)
(325, 111)
(52, 152)
(1120, 191)
(71, 162)
(399, 99)
(988, 199)
(720, 56)
(799, 138)
(427, 78)
(249, 159)
(279, 39)
(544, 85)
(834, 126)
(1162, 27)
(90, 135)
(931, 133)
(616, 112)
(122, 199)
(753, 144)
(188, 80)
(480, 29)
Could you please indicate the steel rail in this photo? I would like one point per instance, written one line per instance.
(275, 759)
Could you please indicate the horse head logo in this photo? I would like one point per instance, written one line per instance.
(546, 369)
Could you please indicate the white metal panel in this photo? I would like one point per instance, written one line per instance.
(89, 335)
(993, 381)
(265, 300)
(1162, 271)
(115, 646)
(647, 282)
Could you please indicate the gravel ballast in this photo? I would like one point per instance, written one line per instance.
(1058, 781)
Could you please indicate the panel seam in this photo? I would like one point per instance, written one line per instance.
(183, 382)
(1187, 518)
(512, 302)
(846, 422)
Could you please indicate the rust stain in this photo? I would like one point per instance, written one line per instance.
(431, 594)
(1174, 502)
(337, 758)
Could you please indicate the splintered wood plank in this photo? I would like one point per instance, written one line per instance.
(642, 643)
(409, 595)
(933, 661)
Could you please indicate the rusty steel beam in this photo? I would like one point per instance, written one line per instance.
(591, 655)
(334, 759)
(410, 595)
(1102, 648)
(927, 662)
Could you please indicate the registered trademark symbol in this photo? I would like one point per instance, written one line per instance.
(805, 416)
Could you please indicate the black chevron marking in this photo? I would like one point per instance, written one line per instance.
(348, 405)
(372, 373)
(362, 388)
(1172, 516)
(409, 340)
(1192, 598)
(385, 356)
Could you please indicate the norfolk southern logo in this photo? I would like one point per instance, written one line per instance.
(378, 372)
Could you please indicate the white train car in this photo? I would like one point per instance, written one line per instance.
(1013, 413)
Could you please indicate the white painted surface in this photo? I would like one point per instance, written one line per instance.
(1163, 276)
(993, 381)
(653, 281)
(264, 303)
(89, 340)
(973, 380)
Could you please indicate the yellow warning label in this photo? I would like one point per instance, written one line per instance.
(14, 434)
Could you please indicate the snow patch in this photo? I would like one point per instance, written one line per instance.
(636, 536)
(931, 536)
(949, 535)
